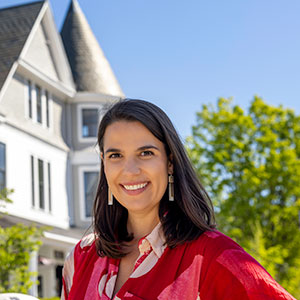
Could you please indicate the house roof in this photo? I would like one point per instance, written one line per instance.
(91, 70)
(15, 26)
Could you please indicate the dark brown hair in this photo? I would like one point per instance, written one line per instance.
(183, 220)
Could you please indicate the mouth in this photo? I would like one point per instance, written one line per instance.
(134, 187)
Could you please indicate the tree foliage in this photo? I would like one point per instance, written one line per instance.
(250, 164)
(17, 242)
(4, 197)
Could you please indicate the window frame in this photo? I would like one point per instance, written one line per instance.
(39, 104)
(5, 166)
(31, 104)
(35, 184)
(82, 206)
(80, 108)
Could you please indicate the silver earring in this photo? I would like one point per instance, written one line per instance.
(110, 197)
(171, 187)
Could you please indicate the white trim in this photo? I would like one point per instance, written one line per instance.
(34, 30)
(80, 107)
(58, 55)
(57, 48)
(95, 97)
(60, 238)
(59, 146)
(85, 158)
(2, 119)
(81, 171)
(27, 70)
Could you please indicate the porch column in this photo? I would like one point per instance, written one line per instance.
(33, 267)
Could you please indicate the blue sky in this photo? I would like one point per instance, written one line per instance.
(182, 54)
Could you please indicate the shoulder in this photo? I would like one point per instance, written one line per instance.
(87, 241)
(216, 247)
(84, 249)
(228, 268)
(214, 243)
(79, 252)
(84, 245)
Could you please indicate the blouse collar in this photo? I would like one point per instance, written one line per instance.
(154, 240)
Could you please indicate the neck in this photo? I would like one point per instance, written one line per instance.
(140, 225)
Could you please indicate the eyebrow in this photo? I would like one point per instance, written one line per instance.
(109, 150)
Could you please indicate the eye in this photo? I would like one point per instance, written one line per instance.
(114, 155)
(147, 153)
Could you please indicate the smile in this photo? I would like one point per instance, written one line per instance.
(135, 187)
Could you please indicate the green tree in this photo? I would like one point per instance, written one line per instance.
(250, 164)
(17, 242)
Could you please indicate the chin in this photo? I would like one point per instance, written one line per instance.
(139, 207)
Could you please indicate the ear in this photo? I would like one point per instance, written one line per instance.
(102, 156)
(170, 164)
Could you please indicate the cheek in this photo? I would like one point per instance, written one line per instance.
(108, 171)
(161, 172)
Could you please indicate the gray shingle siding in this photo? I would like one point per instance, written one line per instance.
(91, 70)
(15, 26)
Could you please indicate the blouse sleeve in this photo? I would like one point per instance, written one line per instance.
(68, 272)
(234, 274)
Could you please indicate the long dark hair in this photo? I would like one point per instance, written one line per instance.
(184, 219)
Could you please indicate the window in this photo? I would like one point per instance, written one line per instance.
(30, 99)
(90, 187)
(39, 104)
(2, 166)
(89, 122)
(88, 181)
(59, 254)
(47, 109)
(41, 184)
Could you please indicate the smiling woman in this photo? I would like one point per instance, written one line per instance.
(154, 231)
(136, 168)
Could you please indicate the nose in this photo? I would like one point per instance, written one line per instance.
(131, 166)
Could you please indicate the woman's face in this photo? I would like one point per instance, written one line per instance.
(136, 166)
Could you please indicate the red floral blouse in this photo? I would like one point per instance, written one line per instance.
(213, 267)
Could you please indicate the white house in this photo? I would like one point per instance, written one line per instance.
(52, 89)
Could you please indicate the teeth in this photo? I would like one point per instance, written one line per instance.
(135, 186)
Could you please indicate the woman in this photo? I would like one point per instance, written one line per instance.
(154, 231)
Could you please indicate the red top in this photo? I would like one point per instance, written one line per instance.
(213, 267)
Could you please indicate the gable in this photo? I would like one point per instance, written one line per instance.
(15, 25)
(39, 54)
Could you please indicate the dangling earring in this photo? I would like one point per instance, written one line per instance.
(110, 197)
(171, 187)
